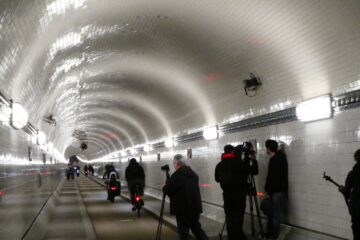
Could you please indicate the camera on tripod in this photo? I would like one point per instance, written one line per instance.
(165, 168)
(248, 149)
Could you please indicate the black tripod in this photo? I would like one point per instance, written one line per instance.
(161, 217)
(252, 193)
(222, 231)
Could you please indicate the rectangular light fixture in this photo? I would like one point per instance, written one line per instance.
(314, 109)
(19, 116)
(211, 133)
(169, 143)
(148, 148)
(41, 138)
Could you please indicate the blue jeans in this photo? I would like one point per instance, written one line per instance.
(274, 221)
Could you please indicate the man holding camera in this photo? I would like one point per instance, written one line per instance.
(351, 191)
(232, 173)
(276, 186)
(185, 200)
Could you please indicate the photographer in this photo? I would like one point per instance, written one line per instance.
(185, 200)
(232, 174)
(276, 186)
(351, 192)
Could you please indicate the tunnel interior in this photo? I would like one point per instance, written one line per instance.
(106, 81)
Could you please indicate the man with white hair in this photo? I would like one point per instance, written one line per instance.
(185, 200)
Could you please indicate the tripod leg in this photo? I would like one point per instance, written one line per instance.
(251, 214)
(158, 233)
(258, 216)
(222, 231)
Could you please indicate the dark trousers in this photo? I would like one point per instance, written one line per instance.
(234, 206)
(274, 221)
(185, 223)
(356, 229)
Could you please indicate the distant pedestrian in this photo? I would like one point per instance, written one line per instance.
(91, 170)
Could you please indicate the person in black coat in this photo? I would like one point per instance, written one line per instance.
(351, 191)
(276, 186)
(232, 173)
(185, 200)
(135, 176)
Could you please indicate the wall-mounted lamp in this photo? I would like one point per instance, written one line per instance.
(19, 116)
(123, 153)
(148, 148)
(169, 143)
(132, 151)
(211, 133)
(314, 109)
(50, 146)
(41, 138)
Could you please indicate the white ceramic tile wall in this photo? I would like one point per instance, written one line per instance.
(312, 148)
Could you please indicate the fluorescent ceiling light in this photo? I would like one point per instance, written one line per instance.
(211, 133)
(314, 109)
(19, 116)
(169, 143)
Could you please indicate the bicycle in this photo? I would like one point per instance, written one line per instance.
(138, 201)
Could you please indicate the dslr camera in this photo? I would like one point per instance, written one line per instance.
(165, 168)
(248, 149)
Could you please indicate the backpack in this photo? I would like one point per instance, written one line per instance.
(226, 173)
(112, 177)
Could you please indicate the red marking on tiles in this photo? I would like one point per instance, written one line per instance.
(257, 40)
(261, 194)
(206, 185)
(210, 77)
(110, 135)
(1, 194)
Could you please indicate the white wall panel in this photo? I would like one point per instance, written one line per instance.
(311, 148)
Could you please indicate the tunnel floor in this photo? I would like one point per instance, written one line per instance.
(116, 220)
(82, 212)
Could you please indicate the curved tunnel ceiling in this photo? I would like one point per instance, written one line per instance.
(129, 72)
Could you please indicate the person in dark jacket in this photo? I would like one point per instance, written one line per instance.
(185, 200)
(91, 170)
(276, 186)
(86, 168)
(232, 173)
(135, 176)
(351, 191)
(109, 170)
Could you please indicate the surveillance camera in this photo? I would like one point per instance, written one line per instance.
(83, 146)
(251, 84)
